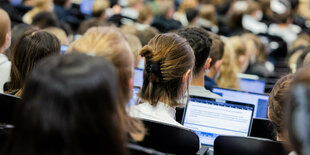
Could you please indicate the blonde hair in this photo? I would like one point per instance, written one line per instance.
(135, 46)
(187, 4)
(228, 74)
(111, 43)
(59, 33)
(208, 12)
(99, 7)
(168, 57)
(5, 27)
(238, 47)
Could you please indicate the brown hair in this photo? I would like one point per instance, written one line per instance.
(99, 7)
(239, 49)
(168, 57)
(276, 102)
(135, 46)
(111, 43)
(5, 26)
(217, 48)
(208, 12)
(259, 45)
(144, 13)
(87, 24)
(31, 47)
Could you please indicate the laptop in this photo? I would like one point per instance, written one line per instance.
(259, 100)
(209, 118)
(134, 99)
(86, 6)
(251, 83)
(138, 77)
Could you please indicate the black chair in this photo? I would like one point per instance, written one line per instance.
(179, 112)
(170, 139)
(262, 128)
(232, 145)
(7, 106)
(139, 150)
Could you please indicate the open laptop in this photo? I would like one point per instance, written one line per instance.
(138, 77)
(251, 83)
(134, 99)
(209, 118)
(86, 6)
(259, 100)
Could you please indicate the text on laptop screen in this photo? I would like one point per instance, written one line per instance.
(259, 100)
(210, 119)
(250, 85)
(138, 77)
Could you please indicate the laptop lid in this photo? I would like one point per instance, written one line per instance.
(138, 77)
(209, 118)
(259, 100)
(251, 85)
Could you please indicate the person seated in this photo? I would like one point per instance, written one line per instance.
(110, 43)
(241, 55)
(216, 55)
(251, 18)
(99, 9)
(132, 11)
(31, 47)
(39, 6)
(296, 118)
(169, 62)
(180, 14)
(69, 107)
(276, 105)
(5, 42)
(201, 43)
(207, 18)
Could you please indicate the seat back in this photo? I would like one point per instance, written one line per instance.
(232, 145)
(262, 128)
(7, 106)
(170, 139)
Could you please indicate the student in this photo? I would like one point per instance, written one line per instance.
(201, 43)
(297, 112)
(276, 104)
(216, 55)
(111, 44)
(39, 6)
(241, 57)
(70, 107)
(5, 42)
(29, 49)
(166, 78)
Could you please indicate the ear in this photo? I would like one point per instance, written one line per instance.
(130, 84)
(218, 64)
(268, 115)
(187, 75)
(7, 42)
(207, 64)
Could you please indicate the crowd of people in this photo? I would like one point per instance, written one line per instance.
(74, 70)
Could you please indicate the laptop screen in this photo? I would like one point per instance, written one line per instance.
(251, 85)
(86, 6)
(210, 119)
(134, 98)
(138, 77)
(259, 100)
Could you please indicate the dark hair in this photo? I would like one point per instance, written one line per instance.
(28, 50)
(191, 14)
(200, 42)
(281, 18)
(168, 57)
(60, 2)
(45, 19)
(303, 59)
(297, 112)
(217, 48)
(70, 107)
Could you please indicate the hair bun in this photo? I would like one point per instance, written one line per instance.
(147, 52)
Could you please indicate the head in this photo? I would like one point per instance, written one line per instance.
(110, 43)
(208, 12)
(146, 35)
(282, 11)
(31, 47)
(99, 8)
(5, 31)
(59, 33)
(191, 15)
(145, 15)
(135, 46)
(87, 24)
(276, 104)
(304, 58)
(187, 4)
(241, 59)
(216, 54)
(254, 9)
(297, 112)
(255, 48)
(136, 4)
(168, 68)
(70, 107)
(44, 5)
(45, 19)
(200, 42)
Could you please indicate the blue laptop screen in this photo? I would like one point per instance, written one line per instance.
(259, 100)
(138, 77)
(210, 119)
(86, 6)
(250, 85)
(134, 98)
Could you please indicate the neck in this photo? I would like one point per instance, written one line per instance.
(211, 74)
(198, 80)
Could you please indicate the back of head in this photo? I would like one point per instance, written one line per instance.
(208, 12)
(146, 35)
(5, 27)
(217, 48)
(145, 13)
(135, 46)
(276, 104)
(59, 33)
(200, 42)
(255, 47)
(168, 58)
(45, 19)
(241, 57)
(99, 7)
(282, 11)
(187, 4)
(297, 112)
(87, 24)
(70, 107)
(31, 47)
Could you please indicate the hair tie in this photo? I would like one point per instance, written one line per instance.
(147, 52)
(154, 67)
